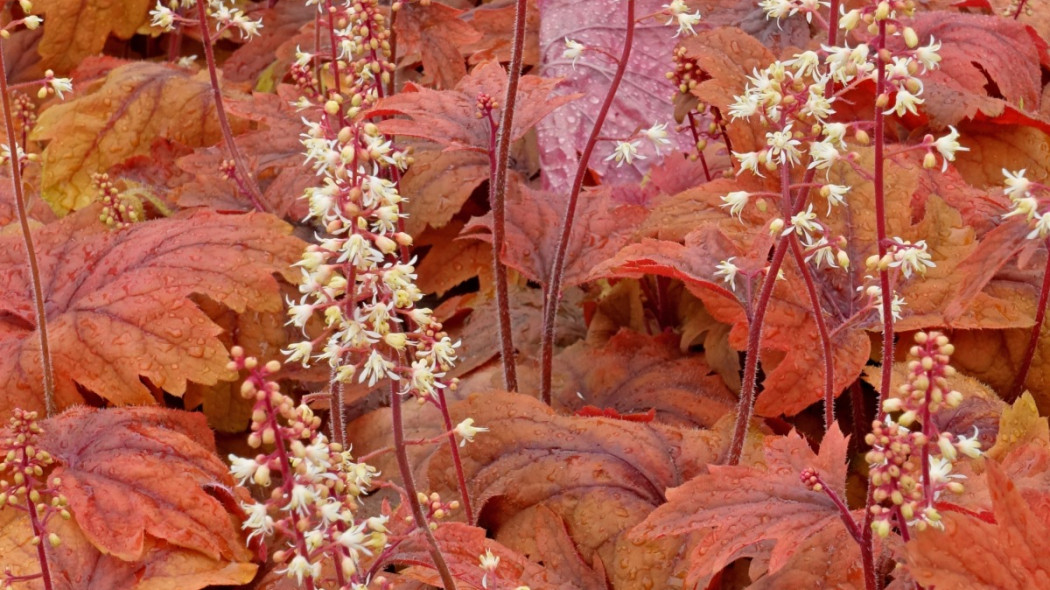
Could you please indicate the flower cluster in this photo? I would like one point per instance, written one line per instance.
(910, 467)
(1030, 199)
(119, 209)
(227, 18)
(23, 487)
(313, 507)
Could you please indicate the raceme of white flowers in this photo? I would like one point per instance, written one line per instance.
(165, 15)
(1024, 201)
(791, 98)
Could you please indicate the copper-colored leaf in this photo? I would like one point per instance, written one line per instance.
(449, 117)
(972, 554)
(738, 510)
(494, 21)
(136, 104)
(635, 373)
(133, 474)
(117, 305)
(433, 33)
(603, 226)
(600, 475)
(75, 30)
(76, 564)
(438, 184)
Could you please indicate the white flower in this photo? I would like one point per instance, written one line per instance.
(625, 152)
(948, 145)
(904, 102)
(803, 223)
(685, 22)
(835, 194)
(60, 85)
(1016, 184)
(300, 567)
(736, 201)
(242, 468)
(424, 380)
(302, 496)
(783, 146)
(911, 257)
(573, 51)
(657, 134)
(728, 271)
(744, 106)
(969, 446)
(32, 22)
(822, 154)
(375, 368)
(928, 56)
(834, 133)
(355, 540)
(489, 562)
(1041, 229)
(258, 519)
(299, 351)
(163, 17)
(466, 430)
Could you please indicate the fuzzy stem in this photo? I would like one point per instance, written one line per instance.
(754, 338)
(247, 182)
(1033, 340)
(552, 292)
(822, 329)
(39, 533)
(27, 238)
(498, 196)
(461, 477)
(498, 203)
(401, 451)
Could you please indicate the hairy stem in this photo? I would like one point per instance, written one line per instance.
(498, 204)
(40, 533)
(461, 478)
(247, 183)
(822, 329)
(27, 238)
(552, 292)
(412, 496)
(1033, 340)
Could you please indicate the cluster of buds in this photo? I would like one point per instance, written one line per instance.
(167, 16)
(24, 486)
(313, 507)
(911, 466)
(1030, 199)
(119, 208)
(30, 21)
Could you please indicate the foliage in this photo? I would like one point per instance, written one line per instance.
(794, 337)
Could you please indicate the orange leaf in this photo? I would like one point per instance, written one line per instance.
(972, 554)
(634, 373)
(76, 564)
(117, 304)
(760, 510)
(600, 475)
(136, 103)
(495, 21)
(438, 183)
(137, 474)
(433, 33)
(75, 30)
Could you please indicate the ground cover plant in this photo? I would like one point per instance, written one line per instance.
(564, 294)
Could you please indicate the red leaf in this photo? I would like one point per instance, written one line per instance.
(596, 412)
(117, 305)
(759, 511)
(641, 100)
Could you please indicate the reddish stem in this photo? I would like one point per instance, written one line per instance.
(247, 182)
(461, 478)
(411, 495)
(38, 532)
(27, 238)
(696, 141)
(822, 329)
(552, 292)
(1033, 340)
(499, 155)
(844, 513)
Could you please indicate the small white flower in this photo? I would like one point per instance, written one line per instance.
(573, 51)
(948, 145)
(969, 446)
(928, 56)
(686, 22)
(728, 271)
(375, 368)
(911, 257)
(1016, 184)
(783, 146)
(60, 85)
(803, 223)
(163, 17)
(744, 106)
(300, 567)
(299, 351)
(242, 468)
(489, 563)
(749, 161)
(835, 194)
(32, 22)
(466, 430)
(625, 152)
(657, 134)
(905, 102)
(736, 201)
(258, 519)
(822, 154)
(1041, 229)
